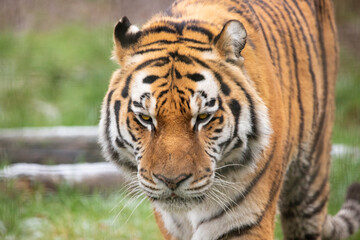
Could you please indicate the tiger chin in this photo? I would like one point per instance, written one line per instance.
(222, 113)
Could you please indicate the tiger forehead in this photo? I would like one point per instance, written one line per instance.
(166, 31)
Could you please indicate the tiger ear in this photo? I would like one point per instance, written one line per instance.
(125, 36)
(231, 40)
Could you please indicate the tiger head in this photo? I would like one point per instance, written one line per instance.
(181, 110)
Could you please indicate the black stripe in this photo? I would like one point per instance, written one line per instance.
(179, 26)
(333, 28)
(162, 104)
(162, 93)
(202, 63)
(224, 87)
(181, 58)
(144, 95)
(162, 85)
(239, 144)
(191, 91)
(163, 41)
(318, 192)
(149, 50)
(317, 209)
(203, 94)
(201, 30)
(117, 115)
(125, 91)
(177, 74)
(200, 48)
(350, 226)
(119, 143)
(235, 109)
(237, 231)
(196, 77)
(137, 104)
(150, 79)
(311, 6)
(311, 236)
(192, 40)
(107, 122)
(158, 29)
(210, 155)
(181, 92)
(134, 139)
(165, 60)
(211, 103)
(218, 130)
(254, 130)
(221, 119)
(353, 209)
(139, 124)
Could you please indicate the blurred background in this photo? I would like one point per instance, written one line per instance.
(54, 71)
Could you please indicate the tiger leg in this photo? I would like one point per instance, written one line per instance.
(303, 206)
(160, 223)
(304, 197)
(263, 230)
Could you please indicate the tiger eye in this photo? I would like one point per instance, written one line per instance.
(145, 117)
(203, 116)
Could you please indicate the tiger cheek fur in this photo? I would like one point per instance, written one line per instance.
(223, 110)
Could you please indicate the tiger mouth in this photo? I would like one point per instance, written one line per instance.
(175, 199)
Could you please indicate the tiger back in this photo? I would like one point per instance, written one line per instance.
(222, 111)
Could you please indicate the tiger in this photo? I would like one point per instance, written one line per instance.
(222, 113)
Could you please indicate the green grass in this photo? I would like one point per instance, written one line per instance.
(54, 78)
(347, 123)
(71, 214)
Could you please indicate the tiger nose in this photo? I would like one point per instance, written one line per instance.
(172, 183)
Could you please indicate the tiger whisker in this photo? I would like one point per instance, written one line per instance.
(141, 201)
(126, 197)
(124, 207)
(231, 165)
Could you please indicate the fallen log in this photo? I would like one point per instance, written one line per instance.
(50, 145)
(89, 177)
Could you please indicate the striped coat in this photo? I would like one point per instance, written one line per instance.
(222, 111)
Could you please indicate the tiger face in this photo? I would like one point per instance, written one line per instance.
(172, 115)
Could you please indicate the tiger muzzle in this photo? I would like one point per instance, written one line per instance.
(172, 183)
